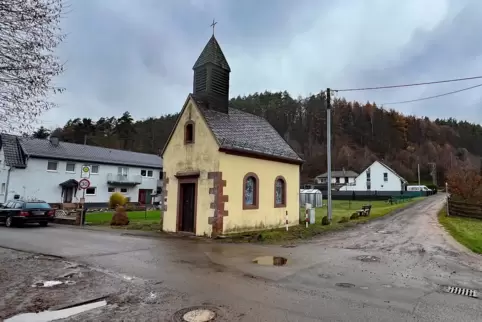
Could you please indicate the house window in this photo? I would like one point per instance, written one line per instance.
(369, 185)
(337, 180)
(94, 169)
(280, 192)
(52, 166)
(250, 191)
(70, 167)
(368, 174)
(123, 190)
(111, 189)
(323, 180)
(2, 191)
(161, 175)
(122, 171)
(189, 132)
(91, 191)
(346, 180)
(385, 176)
(147, 173)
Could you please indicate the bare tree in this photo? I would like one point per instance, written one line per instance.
(29, 34)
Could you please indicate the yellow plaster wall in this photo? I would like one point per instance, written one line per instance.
(234, 168)
(201, 156)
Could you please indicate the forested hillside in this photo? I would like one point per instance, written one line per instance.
(361, 133)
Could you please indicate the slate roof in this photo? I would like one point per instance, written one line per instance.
(12, 151)
(212, 53)
(346, 173)
(247, 132)
(42, 148)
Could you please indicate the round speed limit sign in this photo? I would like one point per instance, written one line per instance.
(84, 184)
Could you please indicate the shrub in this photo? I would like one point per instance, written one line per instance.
(343, 220)
(354, 216)
(120, 217)
(117, 199)
(325, 221)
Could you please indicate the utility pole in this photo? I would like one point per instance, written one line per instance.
(328, 149)
(433, 172)
(418, 171)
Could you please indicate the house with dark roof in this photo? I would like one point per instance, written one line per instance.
(338, 177)
(50, 170)
(225, 170)
(377, 177)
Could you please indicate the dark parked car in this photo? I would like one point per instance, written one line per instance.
(18, 212)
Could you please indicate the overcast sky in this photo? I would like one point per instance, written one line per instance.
(137, 55)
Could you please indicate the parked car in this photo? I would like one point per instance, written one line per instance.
(18, 212)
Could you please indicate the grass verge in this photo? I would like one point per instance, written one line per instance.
(139, 220)
(467, 231)
(341, 208)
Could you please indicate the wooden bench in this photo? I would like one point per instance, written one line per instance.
(365, 211)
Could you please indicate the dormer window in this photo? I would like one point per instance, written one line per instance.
(189, 132)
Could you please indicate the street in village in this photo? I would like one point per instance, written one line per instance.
(396, 268)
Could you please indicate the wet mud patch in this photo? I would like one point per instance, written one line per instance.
(444, 251)
(270, 261)
(345, 285)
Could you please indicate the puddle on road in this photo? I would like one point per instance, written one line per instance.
(270, 261)
(52, 283)
(368, 258)
(345, 285)
(47, 316)
(47, 284)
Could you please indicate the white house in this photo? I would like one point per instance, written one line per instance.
(337, 177)
(377, 177)
(50, 170)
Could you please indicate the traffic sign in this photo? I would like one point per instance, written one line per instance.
(85, 173)
(84, 184)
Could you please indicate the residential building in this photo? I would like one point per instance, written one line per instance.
(226, 170)
(337, 177)
(377, 177)
(50, 170)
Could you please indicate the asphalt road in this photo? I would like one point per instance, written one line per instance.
(393, 269)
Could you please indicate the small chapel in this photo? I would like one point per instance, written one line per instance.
(225, 171)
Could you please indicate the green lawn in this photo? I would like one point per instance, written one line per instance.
(139, 220)
(340, 209)
(466, 231)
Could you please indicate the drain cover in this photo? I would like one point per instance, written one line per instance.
(368, 258)
(346, 285)
(461, 291)
(196, 314)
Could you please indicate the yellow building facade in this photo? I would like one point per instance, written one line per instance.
(225, 170)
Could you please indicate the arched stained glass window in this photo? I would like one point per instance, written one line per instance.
(250, 191)
(280, 192)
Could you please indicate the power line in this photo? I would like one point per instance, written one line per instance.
(435, 96)
(407, 85)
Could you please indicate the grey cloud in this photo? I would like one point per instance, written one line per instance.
(138, 55)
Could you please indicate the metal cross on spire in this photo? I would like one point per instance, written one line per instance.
(214, 25)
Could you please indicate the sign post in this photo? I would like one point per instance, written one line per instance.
(84, 184)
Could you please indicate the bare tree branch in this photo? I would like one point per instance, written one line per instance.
(29, 34)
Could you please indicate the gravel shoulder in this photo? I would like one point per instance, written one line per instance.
(23, 276)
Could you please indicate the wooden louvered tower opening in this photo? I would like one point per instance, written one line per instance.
(211, 77)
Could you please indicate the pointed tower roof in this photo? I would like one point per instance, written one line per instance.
(212, 53)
